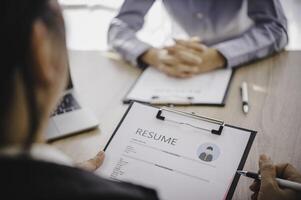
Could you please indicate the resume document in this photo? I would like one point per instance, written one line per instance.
(180, 161)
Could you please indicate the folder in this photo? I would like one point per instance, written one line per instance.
(155, 87)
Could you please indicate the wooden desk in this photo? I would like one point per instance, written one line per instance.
(275, 106)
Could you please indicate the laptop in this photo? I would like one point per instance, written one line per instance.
(70, 117)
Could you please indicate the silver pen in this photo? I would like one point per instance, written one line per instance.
(244, 97)
(281, 182)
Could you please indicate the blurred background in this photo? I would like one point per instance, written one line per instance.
(87, 23)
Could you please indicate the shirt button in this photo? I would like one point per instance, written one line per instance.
(199, 15)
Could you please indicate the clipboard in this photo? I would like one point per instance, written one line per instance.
(217, 130)
(166, 99)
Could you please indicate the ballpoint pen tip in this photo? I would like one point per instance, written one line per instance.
(240, 172)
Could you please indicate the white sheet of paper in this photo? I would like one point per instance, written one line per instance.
(177, 165)
(208, 88)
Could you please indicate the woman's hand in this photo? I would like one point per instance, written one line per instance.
(268, 188)
(93, 163)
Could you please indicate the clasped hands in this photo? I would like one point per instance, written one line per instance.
(185, 58)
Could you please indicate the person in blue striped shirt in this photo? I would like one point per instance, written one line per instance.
(232, 33)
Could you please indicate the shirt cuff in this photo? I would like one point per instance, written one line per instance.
(231, 55)
(140, 63)
(138, 49)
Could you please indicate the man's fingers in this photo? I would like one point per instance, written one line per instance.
(192, 44)
(182, 59)
(289, 194)
(185, 55)
(174, 72)
(269, 189)
(189, 58)
(267, 169)
(173, 50)
(195, 39)
(255, 187)
(177, 74)
(187, 68)
(169, 60)
(169, 70)
(268, 174)
(254, 196)
(289, 172)
(179, 60)
(192, 39)
(184, 75)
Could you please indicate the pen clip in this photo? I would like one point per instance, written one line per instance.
(206, 119)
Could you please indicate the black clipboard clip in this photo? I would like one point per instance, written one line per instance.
(206, 119)
(160, 100)
(188, 97)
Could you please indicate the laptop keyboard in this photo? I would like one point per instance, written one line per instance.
(67, 104)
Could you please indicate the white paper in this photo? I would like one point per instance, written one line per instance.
(176, 165)
(155, 87)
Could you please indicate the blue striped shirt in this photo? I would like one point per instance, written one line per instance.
(241, 30)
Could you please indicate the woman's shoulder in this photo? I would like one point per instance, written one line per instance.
(21, 177)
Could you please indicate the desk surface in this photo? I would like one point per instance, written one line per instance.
(274, 96)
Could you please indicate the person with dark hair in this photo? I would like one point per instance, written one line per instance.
(218, 34)
(207, 155)
(33, 76)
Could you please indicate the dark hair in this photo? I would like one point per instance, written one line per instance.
(210, 148)
(16, 21)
